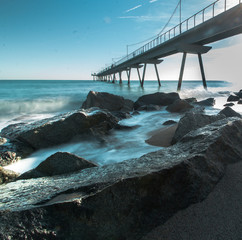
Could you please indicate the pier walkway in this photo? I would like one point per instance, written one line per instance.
(215, 22)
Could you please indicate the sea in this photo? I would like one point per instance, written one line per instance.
(31, 100)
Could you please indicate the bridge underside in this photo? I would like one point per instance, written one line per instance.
(224, 25)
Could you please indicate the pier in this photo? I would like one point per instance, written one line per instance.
(191, 36)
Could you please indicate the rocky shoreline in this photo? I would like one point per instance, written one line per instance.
(126, 200)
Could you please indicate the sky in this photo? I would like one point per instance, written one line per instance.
(70, 39)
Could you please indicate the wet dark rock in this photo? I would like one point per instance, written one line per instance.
(7, 176)
(57, 164)
(121, 115)
(60, 129)
(149, 107)
(240, 102)
(206, 102)
(233, 98)
(229, 112)
(125, 127)
(123, 200)
(11, 152)
(192, 121)
(169, 122)
(179, 106)
(135, 113)
(159, 98)
(229, 105)
(111, 102)
(239, 94)
(191, 100)
(224, 92)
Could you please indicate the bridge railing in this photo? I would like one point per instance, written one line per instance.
(202, 16)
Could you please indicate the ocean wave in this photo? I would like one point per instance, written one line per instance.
(49, 105)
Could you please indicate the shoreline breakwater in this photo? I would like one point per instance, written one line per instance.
(123, 200)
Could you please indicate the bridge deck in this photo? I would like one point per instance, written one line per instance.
(224, 25)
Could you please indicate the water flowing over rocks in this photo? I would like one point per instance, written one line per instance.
(60, 129)
(57, 164)
(124, 200)
(159, 98)
(111, 102)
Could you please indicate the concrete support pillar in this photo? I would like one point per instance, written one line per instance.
(143, 78)
(114, 78)
(128, 75)
(139, 75)
(182, 71)
(120, 78)
(202, 70)
(157, 74)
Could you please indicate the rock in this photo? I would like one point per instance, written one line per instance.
(179, 106)
(229, 105)
(192, 121)
(60, 129)
(162, 137)
(239, 94)
(149, 107)
(7, 176)
(135, 113)
(191, 100)
(57, 164)
(159, 98)
(2, 140)
(206, 102)
(233, 98)
(8, 157)
(121, 115)
(108, 101)
(229, 112)
(239, 102)
(169, 122)
(123, 200)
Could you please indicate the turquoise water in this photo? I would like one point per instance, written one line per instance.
(19, 97)
(27, 101)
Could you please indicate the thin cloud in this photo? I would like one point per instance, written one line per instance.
(131, 9)
(152, 1)
(144, 18)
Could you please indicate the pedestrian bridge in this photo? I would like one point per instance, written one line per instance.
(217, 21)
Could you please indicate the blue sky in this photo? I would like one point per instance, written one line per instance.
(69, 39)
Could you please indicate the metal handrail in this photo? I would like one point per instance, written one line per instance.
(171, 33)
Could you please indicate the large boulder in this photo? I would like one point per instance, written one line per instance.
(192, 121)
(7, 176)
(179, 106)
(233, 98)
(207, 102)
(239, 94)
(229, 112)
(57, 164)
(159, 98)
(111, 102)
(124, 200)
(60, 129)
